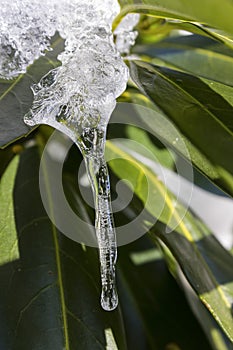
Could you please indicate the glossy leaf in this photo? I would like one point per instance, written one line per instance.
(155, 297)
(141, 138)
(210, 12)
(202, 116)
(194, 54)
(49, 296)
(225, 91)
(205, 263)
(211, 33)
(16, 96)
(214, 333)
(153, 30)
(166, 135)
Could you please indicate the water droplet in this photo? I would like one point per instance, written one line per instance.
(175, 141)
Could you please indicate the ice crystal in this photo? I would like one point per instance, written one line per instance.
(26, 27)
(82, 91)
(125, 35)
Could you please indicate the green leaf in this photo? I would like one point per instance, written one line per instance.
(205, 263)
(199, 113)
(152, 30)
(150, 118)
(16, 96)
(214, 333)
(8, 234)
(194, 54)
(49, 297)
(155, 297)
(225, 91)
(141, 138)
(210, 12)
(198, 29)
(207, 266)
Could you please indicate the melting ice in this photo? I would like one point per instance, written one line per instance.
(79, 96)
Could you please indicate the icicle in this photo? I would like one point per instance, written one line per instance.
(79, 96)
(92, 147)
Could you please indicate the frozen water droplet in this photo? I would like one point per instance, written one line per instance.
(175, 141)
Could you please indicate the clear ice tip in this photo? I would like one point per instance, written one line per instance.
(109, 299)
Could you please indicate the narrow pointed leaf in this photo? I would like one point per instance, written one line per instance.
(50, 293)
(205, 263)
(8, 234)
(210, 12)
(144, 274)
(194, 54)
(168, 137)
(203, 116)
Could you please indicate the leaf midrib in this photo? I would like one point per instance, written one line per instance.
(58, 264)
(17, 80)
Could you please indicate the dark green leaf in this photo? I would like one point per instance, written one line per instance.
(156, 298)
(16, 96)
(198, 29)
(152, 30)
(205, 263)
(214, 333)
(200, 114)
(148, 117)
(207, 267)
(195, 54)
(142, 139)
(49, 297)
